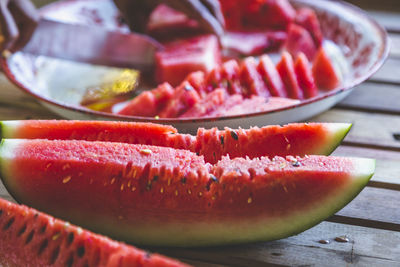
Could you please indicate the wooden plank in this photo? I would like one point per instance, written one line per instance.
(395, 45)
(375, 97)
(367, 247)
(381, 206)
(389, 72)
(382, 134)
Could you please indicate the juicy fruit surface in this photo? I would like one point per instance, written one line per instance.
(173, 197)
(292, 139)
(32, 238)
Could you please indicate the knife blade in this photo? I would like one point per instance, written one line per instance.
(93, 44)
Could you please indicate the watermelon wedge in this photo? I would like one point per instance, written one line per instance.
(293, 139)
(163, 196)
(32, 238)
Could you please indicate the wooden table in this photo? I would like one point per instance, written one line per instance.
(371, 222)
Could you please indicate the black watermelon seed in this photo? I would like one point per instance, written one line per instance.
(234, 135)
(54, 255)
(183, 180)
(222, 139)
(213, 178)
(43, 246)
(81, 251)
(8, 224)
(188, 87)
(29, 238)
(155, 178)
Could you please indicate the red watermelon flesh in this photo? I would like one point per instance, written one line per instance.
(251, 79)
(167, 23)
(253, 43)
(172, 197)
(149, 103)
(300, 40)
(325, 75)
(304, 76)
(287, 72)
(32, 238)
(291, 139)
(197, 81)
(271, 77)
(184, 97)
(206, 105)
(226, 76)
(185, 56)
(307, 18)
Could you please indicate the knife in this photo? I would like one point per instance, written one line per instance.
(93, 44)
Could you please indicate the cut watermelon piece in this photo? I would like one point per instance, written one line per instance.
(172, 197)
(185, 56)
(197, 81)
(149, 103)
(251, 79)
(253, 43)
(207, 105)
(292, 139)
(300, 40)
(32, 238)
(271, 77)
(226, 76)
(307, 18)
(273, 14)
(325, 75)
(304, 76)
(185, 97)
(288, 75)
(167, 23)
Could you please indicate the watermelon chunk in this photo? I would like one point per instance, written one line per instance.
(184, 97)
(149, 103)
(32, 238)
(287, 72)
(226, 76)
(197, 81)
(167, 23)
(325, 75)
(206, 105)
(304, 76)
(251, 79)
(307, 18)
(185, 56)
(271, 77)
(172, 197)
(253, 43)
(300, 40)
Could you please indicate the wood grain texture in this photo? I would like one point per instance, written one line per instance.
(367, 247)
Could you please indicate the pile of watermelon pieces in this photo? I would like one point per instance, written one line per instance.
(198, 77)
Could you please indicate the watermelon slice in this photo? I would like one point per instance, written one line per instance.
(251, 79)
(307, 18)
(206, 105)
(184, 97)
(32, 238)
(271, 77)
(325, 75)
(163, 196)
(226, 76)
(300, 40)
(252, 43)
(185, 56)
(149, 103)
(167, 23)
(292, 139)
(305, 77)
(287, 72)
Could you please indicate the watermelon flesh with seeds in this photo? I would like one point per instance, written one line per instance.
(155, 195)
(291, 139)
(32, 238)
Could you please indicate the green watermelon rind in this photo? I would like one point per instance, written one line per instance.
(338, 132)
(206, 233)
